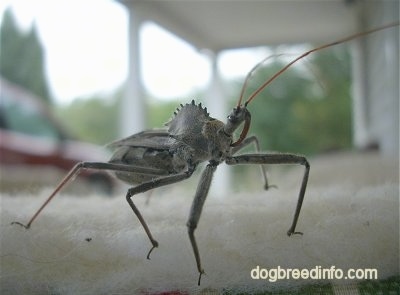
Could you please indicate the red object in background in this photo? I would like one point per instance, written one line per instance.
(34, 147)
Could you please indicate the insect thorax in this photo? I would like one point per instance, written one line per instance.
(193, 126)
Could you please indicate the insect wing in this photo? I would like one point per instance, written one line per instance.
(153, 138)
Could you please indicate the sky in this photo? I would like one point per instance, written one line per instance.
(86, 50)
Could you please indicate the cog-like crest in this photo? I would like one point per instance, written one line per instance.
(188, 120)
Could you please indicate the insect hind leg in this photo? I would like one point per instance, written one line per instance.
(73, 172)
(87, 165)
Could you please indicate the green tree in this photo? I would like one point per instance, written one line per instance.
(22, 57)
(93, 119)
(298, 112)
(304, 113)
(96, 118)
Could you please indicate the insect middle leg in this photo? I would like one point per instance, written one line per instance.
(143, 187)
(246, 142)
(195, 211)
(278, 158)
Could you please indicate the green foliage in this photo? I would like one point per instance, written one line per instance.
(93, 119)
(22, 57)
(298, 112)
(368, 287)
(160, 112)
(303, 114)
(96, 119)
(388, 286)
(317, 289)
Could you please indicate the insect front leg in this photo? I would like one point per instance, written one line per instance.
(195, 211)
(279, 158)
(246, 142)
(158, 182)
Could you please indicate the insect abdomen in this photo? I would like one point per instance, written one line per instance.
(160, 159)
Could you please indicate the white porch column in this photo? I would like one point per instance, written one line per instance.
(217, 107)
(133, 105)
(361, 136)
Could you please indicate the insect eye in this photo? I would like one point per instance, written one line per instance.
(232, 118)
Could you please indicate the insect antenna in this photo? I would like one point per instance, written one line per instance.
(277, 74)
(251, 72)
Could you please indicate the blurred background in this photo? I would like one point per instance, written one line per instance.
(76, 75)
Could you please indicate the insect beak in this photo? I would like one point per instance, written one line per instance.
(235, 119)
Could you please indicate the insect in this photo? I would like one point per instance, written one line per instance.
(159, 157)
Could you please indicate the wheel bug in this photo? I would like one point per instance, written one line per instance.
(160, 157)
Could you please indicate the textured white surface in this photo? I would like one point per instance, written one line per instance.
(350, 219)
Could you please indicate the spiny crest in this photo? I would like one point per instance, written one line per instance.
(189, 118)
(191, 108)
